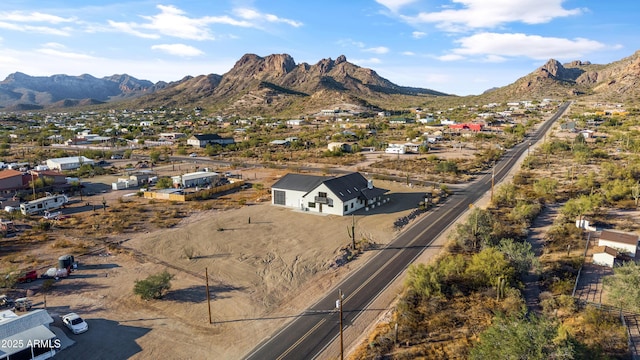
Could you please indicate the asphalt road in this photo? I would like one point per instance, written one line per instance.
(317, 327)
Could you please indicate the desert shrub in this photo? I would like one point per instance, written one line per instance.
(44, 225)
(154, 286)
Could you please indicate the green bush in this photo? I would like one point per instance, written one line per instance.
(153, 287)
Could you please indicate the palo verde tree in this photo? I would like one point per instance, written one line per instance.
(476, 232)
(624, 287)
(154, 286)
(523, 338)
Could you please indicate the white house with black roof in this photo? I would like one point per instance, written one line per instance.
(339, 195)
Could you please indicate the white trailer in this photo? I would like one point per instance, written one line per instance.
(41, 205)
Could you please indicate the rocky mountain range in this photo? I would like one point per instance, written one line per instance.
(22, 91)
(275, 84)
(618, 81)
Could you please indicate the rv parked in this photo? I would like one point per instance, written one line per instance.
(41, 205)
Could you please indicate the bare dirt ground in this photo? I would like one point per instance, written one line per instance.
(265, 265)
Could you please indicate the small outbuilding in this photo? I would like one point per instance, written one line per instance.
(605, 256)
(625, 243)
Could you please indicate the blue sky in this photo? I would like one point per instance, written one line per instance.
(460, 47)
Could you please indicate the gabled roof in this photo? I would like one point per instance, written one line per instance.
(619, 237)
(345, 187)
(9, 173)
(348, 186)
(606, 250)
(351, 186)
(299, 182)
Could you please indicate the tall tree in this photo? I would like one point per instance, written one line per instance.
(624, 286)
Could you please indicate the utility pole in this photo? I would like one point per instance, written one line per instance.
(206, 276)
(339, 306)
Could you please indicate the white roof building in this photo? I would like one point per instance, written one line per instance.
(199, 178)
(68, 163)
(27, 336)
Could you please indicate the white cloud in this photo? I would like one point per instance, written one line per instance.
(408, 53)
(178, 49)
(464, 14)
(129, 28)
(19, 16)
(35, 29)
(366, 62)
(377, 50)
(494, 46)
(59, 51)
(251, 14)
(394, 5)
(418, 34)
(174, 22)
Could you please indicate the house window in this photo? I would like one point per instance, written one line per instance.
(312, 204)
(279, 197)
(322, 194)
(346, 208)
(352, 205)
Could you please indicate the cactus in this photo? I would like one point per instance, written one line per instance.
(500, 287)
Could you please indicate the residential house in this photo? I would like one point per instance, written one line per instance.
(467, 126)
(57, 177)
(202, 140)
(295, 122)
(395, 149)
(334, 146)
(68, 163)
(279, 142)
(340, 195)
(171, 135)
(625, 243)
(10, 180)
(27, 336)
(198, 178)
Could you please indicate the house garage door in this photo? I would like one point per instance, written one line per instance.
(279, 197)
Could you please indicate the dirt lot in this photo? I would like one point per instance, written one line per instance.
(265, 265)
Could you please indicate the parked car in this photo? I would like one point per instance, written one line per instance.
(193, 155)
(116, 157)
(54, 273)
(75, 323)
(28, 276)
(23, 304)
